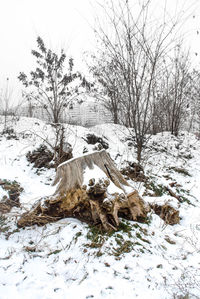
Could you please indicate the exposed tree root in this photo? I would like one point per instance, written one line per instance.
(87, 206)
(93, 202)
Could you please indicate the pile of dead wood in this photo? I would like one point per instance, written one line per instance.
(134, 171)
(43, 157)
(167, 213)
(12, 199)
(40, 157)
(96, 140)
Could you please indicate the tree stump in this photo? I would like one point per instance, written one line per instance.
(89, 188)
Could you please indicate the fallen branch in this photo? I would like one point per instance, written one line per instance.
(173, 194)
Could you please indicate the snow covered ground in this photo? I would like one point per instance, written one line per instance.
(69, 259)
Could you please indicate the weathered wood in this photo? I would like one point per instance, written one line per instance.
(69, 174)
(91, 203)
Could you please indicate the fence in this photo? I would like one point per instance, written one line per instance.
(86, 113)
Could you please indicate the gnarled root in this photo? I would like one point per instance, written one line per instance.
(90, 204)
(98, 211)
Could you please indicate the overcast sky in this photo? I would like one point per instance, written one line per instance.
(62, 24)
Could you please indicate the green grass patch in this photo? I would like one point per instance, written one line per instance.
(183, 195)
(55, 252)
(119, 242)
(182, 171)
(138, 235)
(157, 190)
(3, 225)
(124, 247)
(96, 236)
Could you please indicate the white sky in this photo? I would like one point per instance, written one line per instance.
(62, 24)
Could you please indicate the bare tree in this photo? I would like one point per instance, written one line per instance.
(109, 92)
(5, 102)
(136, 43)
(194, 104)
(172, 93)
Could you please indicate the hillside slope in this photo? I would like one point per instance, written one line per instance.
(69, 259)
